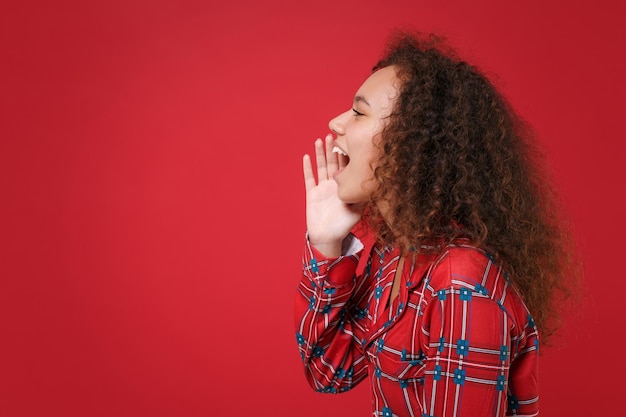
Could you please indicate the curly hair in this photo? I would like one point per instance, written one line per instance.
(455, 161)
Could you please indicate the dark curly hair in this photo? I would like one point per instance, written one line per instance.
(456, 161)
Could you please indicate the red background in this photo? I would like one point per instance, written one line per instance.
(152, 207)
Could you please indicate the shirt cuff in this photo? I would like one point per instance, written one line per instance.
(351, 245)
(333, 272)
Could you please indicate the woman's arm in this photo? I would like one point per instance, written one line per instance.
(327, 332)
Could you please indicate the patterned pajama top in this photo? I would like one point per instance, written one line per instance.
(457, 340)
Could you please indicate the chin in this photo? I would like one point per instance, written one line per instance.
(345, 199)
(354, 195)
(352, 199)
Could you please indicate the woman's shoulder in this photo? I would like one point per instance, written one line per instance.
(463, 265)
(472, 273)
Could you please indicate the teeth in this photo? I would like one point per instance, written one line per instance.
(338, 150)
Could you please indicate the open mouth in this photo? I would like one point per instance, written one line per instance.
(343, 156)
(340, 151)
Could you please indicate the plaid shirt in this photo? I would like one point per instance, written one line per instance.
(456, 341)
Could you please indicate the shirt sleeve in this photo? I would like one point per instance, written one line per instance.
(325, 331)
(523, 393)
(467, 342)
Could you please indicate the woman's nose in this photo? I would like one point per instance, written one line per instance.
(338, 124)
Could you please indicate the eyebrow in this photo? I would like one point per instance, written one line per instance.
(360, 99)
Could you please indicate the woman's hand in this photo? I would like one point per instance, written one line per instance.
(328, 219)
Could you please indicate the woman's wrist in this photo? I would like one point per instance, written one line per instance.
(330, 249)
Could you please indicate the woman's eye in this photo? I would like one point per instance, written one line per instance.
(356, 113)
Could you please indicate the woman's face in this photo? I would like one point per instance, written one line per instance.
(357, 130)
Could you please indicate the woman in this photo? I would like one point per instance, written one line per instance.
(434, 253)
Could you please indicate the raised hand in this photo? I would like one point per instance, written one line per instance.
(328, 219)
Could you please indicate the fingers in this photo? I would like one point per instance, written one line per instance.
(320, 158)
(332, 162)
(307, 169)
(327, 162)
